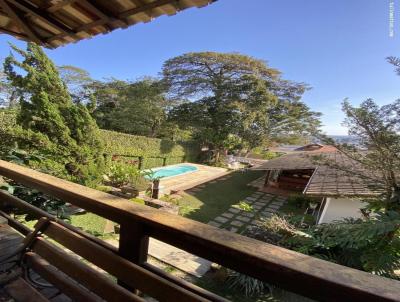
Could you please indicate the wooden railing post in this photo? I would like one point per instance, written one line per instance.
(133, 245)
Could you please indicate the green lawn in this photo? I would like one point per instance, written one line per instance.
(202, 206)
(216, 198)
(89, 222)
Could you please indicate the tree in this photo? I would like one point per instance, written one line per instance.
(8, 93)
(139, 107)
(142, 110)
(76, 79)
(47, 109)
(372, 243)
(230, 95)
(103, 97)
(377, 153)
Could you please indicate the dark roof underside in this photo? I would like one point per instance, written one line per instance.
(58, 22)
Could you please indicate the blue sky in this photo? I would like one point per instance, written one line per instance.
(338, 47)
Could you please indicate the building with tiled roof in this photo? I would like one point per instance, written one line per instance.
(323, 172)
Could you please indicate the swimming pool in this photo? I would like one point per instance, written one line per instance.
(171, 171)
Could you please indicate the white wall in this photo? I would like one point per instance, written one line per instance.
(339, 208)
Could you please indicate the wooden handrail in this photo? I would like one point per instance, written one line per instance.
(302, 274)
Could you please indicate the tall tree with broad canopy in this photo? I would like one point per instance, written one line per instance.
(46, 108)
(232, 95)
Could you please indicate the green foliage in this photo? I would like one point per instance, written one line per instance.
(135, 107)
(138, 201)
(76, 79)
(48, 115)
(90, 223)
(120, 174)
(47, 203)
(270, 155)
(244, 206)
(22, 157)
(265, 154)
(300, 200)
(126, 144)
(234, 96)
(377, 130)
(250, 286)
(371, 245)
(217, 198)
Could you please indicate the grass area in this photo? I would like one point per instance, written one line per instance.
(216, 198)
(89, 222)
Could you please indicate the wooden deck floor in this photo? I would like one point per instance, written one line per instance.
(10, 284)
(10, 240)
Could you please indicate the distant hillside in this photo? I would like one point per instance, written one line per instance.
(345, 139)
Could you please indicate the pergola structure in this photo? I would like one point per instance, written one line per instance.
(57, 22)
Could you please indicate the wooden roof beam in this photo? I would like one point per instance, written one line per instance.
(120, 17)
(20, 21)
(102, 13)
(13, 33)
(146, 7)
(140, 3)
(43, 15)
(51, 8)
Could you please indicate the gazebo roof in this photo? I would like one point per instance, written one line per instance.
(335, 173)
(58, 22)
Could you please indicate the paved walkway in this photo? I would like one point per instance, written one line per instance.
(234, 220)
(184, 261)
(237, 220)
(203, 174)
(178, 258)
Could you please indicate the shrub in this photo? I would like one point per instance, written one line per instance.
(260, 152)
(269, 155)
(250, 286)
(138, 201)
(120, 174)
(300, 200)
(244, 206)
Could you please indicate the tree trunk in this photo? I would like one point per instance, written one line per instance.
(217, 156)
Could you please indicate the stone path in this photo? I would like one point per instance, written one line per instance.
(237, 220)
(182, 260)
(178, 258)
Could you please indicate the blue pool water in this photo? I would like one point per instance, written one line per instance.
(171, 171)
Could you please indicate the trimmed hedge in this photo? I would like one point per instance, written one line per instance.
(114, 143)
(133, 145)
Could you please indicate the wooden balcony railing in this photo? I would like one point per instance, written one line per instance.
(307, 276)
